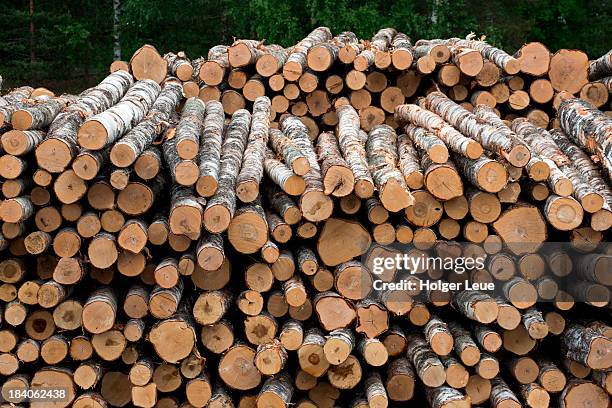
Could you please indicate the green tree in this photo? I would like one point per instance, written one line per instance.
(73, 39)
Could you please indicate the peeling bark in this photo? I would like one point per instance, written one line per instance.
(251, 173)
(450, 136)
(289, 151)
(488, 137)
(189, 128)
(210, 149)
(56, 152)
(106, 127)
(222, 206)
(179, 65)
(381, 148)
(314, 204)
(296, 62)
(127, 149)
(338, 178)
(589, 128)
(353, 150)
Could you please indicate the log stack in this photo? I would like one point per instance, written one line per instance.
(203, 232)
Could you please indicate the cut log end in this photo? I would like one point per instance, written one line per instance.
(206, 186)
(292, 71)
(319, 59)
(364, 188)
(492, 177)
(474, 150)
(584, 393)
(564, 213)
(247, 191)
(216, 219)
(401, 59)
(248, 232)
(519, 156)
(22, 120)
(316, 206)
(591, 202)
(338, 181)
(122, 155)
(426, 64)
(601, 220)
(146, 63)
(212, 73)
(512, 67)
(92, 135)
(395, 197)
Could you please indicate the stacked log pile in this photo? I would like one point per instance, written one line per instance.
(203, 232)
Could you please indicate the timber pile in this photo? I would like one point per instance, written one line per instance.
(189, 233)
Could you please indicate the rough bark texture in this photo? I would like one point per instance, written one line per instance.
(55, 153)
(18, 142)
(282, 175)
(16, 95)
(435, 124)
(338, 178)
(401, 55)
(589, 128)
(127, 149)
(289, 151)
(189, 128)
(232, 151)
(179, 66)
(210, 149)
(409, 163)
(502, 395)
(428, 366)
(499, 57)
(427, 141)
(601, 67)
(39, 114)
(251, 173)
(542, 144)
(315, 206)
(590, 173)
(106, 127)
(442, 397)
(381, 148)
(123, 254)
(476, 306)
(587, 346)
(296, 62)
(353, 150)
(469, 124)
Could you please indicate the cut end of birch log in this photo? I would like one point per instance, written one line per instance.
(342, 240)
(522, 228)
(146, 63)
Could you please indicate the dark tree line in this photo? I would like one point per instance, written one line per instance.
(69, 44)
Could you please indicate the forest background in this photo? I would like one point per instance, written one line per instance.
(68, 45)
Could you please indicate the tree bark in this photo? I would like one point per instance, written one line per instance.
(106, 127)
(251, 173)
(435, 124)
(127, 149)
(381, 149)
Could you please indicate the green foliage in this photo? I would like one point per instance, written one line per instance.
(72, 40)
